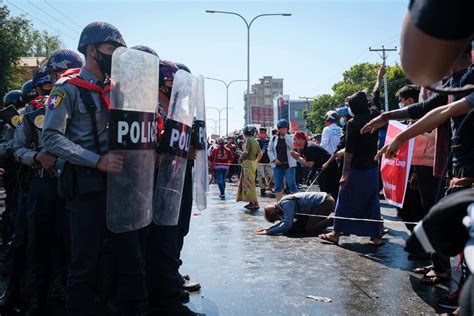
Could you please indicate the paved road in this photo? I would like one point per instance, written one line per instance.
(245, 274)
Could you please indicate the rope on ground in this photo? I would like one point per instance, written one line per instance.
(385, 221)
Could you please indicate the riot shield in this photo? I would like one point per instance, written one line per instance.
(36, 118)
(11, 115)
(132, 125)
(201, 167)
(174, 147)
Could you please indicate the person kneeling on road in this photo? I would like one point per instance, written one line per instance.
(295, 206)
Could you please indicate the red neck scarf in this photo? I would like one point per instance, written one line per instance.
(81, 83)
(39, 102)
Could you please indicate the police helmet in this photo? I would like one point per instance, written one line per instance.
(41, 76)
(63, 59)
(332, 116)
(145, 49)
(13, 98)
(167, 71)
(97, 33)
(283, 124)
(28, 92)
(182, 67)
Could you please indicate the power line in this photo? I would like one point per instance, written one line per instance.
(64, 15)
(53, 17)
(39, 20)
(384, 60)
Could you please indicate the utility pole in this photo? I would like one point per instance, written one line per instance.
(384, 59)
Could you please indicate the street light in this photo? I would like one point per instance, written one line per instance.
(215, 124)
(248, 48)
(220, 110)
(226, 102)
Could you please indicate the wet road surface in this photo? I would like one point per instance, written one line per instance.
(242, 273)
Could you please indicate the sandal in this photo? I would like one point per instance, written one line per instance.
(326, 237)
(423, 270)
(253, 207)
(434, 278)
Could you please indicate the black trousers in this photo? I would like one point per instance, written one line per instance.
(329, 180)
(88, 232)
(48, 241)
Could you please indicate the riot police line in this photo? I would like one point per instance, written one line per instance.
(97, 160)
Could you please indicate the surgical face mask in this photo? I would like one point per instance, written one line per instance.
(104, 61)
(401, 105)
(342, 121)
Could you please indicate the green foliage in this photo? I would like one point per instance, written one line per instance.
(19, 39)
(360, 77)
(315, 118)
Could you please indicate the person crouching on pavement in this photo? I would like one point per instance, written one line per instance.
(291, 206)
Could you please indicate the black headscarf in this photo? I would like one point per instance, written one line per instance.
(359, 103)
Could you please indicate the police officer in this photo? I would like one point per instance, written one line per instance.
(15, 211)
(63, 62)
(7, 163)
(75, 130)
(164, 283)
(46, 217)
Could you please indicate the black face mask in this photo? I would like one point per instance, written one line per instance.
(45, 92)
(104, 61)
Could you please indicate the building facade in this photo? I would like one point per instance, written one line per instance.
(291, 110)
(262, 98)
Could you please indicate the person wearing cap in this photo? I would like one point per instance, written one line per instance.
(221, 159)
(358, 195)
(291, 212)
(75, 130)
(283, 164)
(314, 156)
(331, 133)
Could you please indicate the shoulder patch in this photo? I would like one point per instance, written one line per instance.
(17, 121)
(55, 98)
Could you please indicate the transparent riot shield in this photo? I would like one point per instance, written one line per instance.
(132, 125)
(201, 167)
(174, 147)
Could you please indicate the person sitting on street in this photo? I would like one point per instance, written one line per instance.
(293, 207)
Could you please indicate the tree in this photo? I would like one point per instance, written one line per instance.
(315, 118)
(360, 77)
(19, 39)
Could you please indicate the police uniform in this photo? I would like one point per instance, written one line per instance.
(68, 134)
(47, 245)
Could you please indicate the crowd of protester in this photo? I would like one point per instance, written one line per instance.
(437, 108)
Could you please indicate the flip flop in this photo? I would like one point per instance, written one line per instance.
(423, 270)
(326, 238)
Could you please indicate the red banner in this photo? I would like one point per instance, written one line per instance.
(395, 171)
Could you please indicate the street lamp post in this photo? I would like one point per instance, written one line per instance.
(215, 124)
(227, 85)
(248, 48)
(220, 110)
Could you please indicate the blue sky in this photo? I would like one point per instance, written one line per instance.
(310, 49)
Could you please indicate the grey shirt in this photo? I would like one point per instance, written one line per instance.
(26, 135)
(67, 131)
(302, 202)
